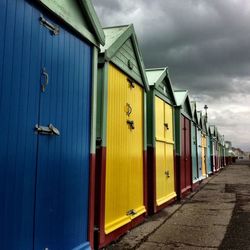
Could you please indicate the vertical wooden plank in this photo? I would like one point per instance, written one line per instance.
(136, 148)
(194, 153)
(118, 155)
(188, 154)
(19, 97)
(183, 155)
(63, 161)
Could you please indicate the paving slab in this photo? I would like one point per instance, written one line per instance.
(206, 219)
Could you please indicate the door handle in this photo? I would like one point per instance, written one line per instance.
(49, 130)
(129, 109)
(46, 75)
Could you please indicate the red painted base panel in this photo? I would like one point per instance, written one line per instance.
(102, 239)
(164, 205)
(91, 199)
(106, 239)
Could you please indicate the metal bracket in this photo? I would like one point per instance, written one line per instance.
(131, 124)
(167, 173)
(49, 130)
(98, 141)
(131, 212)
(132, 85)
(166, 125)
(53, 28)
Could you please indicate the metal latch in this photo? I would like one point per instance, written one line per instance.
(49, 130)
(132, 85)
(131, 124)
(98, 141)
(131, 212)
(167, 173)
(166, 125)
(53, 28)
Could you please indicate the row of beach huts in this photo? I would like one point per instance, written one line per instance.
(91, 141)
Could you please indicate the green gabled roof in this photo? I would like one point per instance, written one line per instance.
(156, 76)
(199, 115)
(181, 96)
(81, 16)
(93, 19)
(204, 123)
(212, 130)
(207, 128)
(115, 39)
(216, 133)
(112, 35)
(194, 112)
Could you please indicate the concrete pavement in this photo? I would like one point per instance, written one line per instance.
(217, 216)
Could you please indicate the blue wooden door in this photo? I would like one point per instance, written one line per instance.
(43, 178)
(20, 58)
(209, 165)
(61, 213)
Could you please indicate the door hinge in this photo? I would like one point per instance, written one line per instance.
(167, 173)
(131, 83)
(131, 124)
(98, 141)
(54, 29)
(166, 125)
(131, 212)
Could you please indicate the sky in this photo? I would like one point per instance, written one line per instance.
(206, 46)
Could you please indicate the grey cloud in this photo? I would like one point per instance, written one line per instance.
(205, 44)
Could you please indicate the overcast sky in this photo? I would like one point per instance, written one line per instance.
(205, 44)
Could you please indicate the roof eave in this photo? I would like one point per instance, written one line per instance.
(94, 20)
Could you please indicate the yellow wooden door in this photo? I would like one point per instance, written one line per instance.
(161, 179)
(124, 151)
(136, 141)
(203, 154)
(169, 149)
(164, 152)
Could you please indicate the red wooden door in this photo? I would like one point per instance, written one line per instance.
(183, 156)
(187, 154)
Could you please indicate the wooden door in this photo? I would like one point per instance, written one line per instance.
(204, 153)
(46, 79)
(124, 159)
(165, 176)
(188, 153)
(61, 212)
(194, 153)
(183, 155)
(169, 149)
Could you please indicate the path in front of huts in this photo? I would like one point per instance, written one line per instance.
(217, 216)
